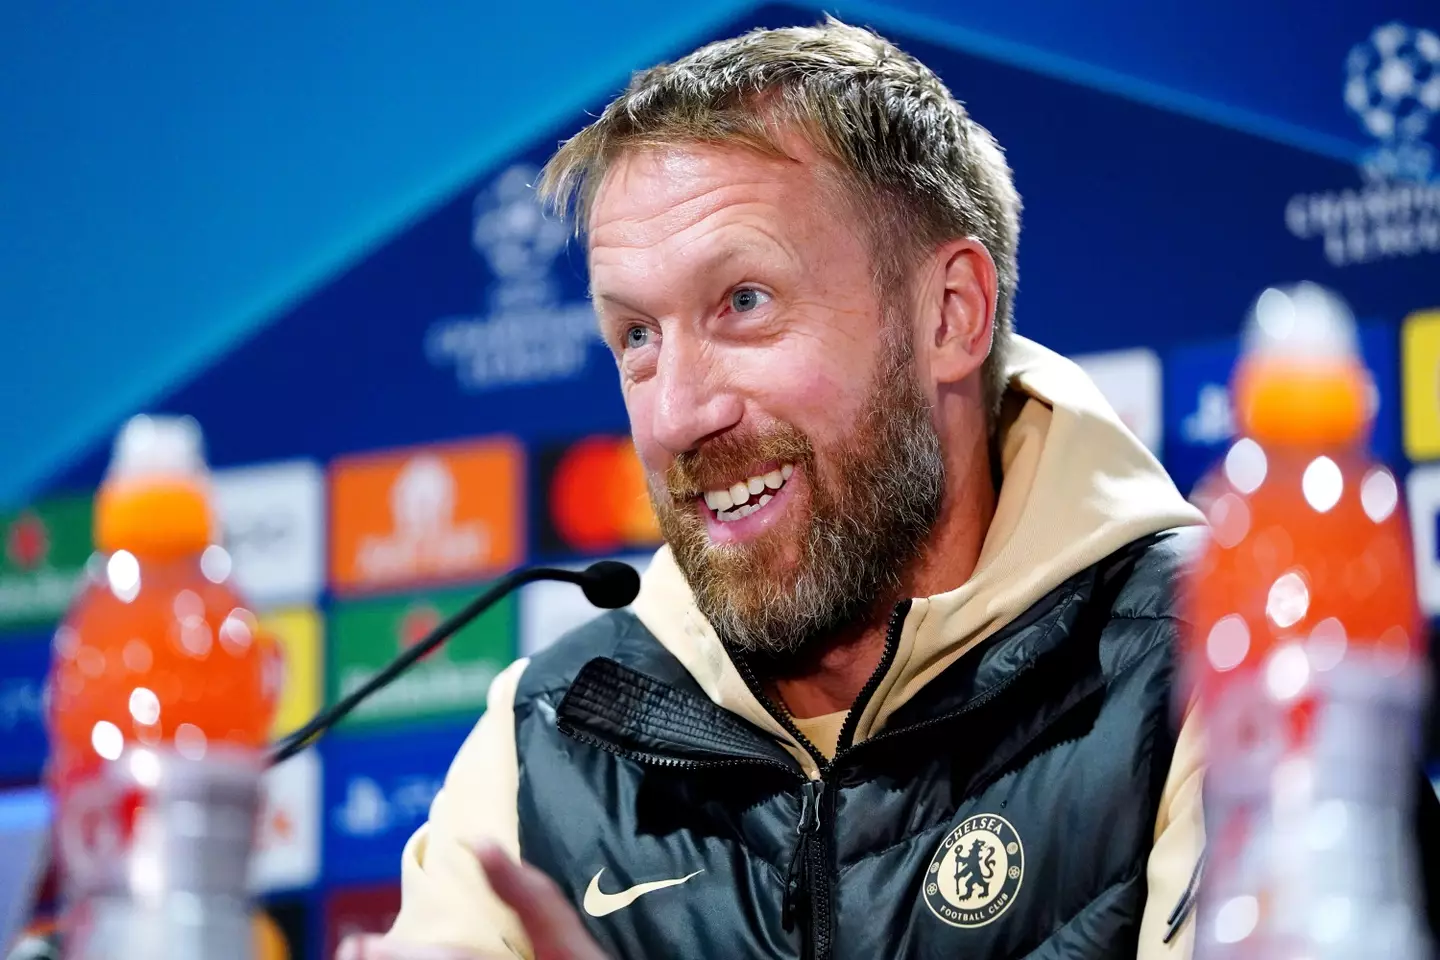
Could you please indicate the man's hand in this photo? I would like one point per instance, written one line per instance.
(553, 926)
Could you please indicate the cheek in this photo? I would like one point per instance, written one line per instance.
(812, 391)
(638, 403)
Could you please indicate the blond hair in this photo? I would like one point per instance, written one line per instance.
(918, 170)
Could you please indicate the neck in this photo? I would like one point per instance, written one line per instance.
(829, 679)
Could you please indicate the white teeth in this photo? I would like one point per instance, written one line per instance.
(740, 500)
(718, 500)
(742, 511)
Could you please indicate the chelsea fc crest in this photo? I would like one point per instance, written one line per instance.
(976, 873)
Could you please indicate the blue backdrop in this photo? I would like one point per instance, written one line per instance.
(353, 264)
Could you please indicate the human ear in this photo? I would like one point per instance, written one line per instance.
(962, 317)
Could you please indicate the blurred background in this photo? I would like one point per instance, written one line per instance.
(310, 226)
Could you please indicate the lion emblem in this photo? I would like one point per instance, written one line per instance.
(974, 869)
(987, 859)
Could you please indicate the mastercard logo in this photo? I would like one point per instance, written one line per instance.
(597, 497)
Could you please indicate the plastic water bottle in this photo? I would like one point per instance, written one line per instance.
(1307, 655)
(161, 698)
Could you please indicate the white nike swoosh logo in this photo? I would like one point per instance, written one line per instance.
(598, 903)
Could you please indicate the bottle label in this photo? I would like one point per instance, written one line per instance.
(95, 829)
(1308, 800)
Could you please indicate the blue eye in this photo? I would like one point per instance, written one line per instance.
(636, 336)
(746, 299)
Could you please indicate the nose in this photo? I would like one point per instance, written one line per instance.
(694, 399)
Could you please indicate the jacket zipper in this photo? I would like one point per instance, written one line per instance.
(808, 889)
(808, 883)
(969, 707)
(674, 763)
(887, 658)
(807, 886)
(797, 885)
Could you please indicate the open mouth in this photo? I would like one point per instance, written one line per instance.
(745, 497)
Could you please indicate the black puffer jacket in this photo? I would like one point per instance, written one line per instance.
(1008, 811)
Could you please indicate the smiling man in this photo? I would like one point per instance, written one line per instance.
(900, 682)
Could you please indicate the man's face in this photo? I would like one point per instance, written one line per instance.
(789, 450)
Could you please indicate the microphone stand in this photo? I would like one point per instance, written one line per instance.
(595, 575)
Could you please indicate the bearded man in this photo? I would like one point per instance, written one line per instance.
(900, 682)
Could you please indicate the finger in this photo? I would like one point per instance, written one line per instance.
(554, 927)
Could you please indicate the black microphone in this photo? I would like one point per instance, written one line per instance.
(608, 584)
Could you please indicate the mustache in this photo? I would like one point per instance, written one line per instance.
(722, 460)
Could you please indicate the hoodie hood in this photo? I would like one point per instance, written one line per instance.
(1077, 486)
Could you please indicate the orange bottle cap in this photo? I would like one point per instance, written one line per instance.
(1301, 380)
(155, 500)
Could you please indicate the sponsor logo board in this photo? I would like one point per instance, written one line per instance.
(1420, 381)
(350, 911)
(366, 635)
(1130, 381)
(378, 791)
(287, 844)
(426, 515)
(45, 548)
(272, 520)
(299, 633)
(592, 498)
(1422, 499)
(24, 665)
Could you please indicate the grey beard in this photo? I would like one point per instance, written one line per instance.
(860, 540)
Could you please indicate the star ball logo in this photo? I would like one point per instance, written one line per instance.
(529, 330)
(1392, 86)
(974, 876)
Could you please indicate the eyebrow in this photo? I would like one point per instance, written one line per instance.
(619, 302)
(723, 255)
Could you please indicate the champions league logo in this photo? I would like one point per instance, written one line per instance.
(1392, 86)
(513, 234)
(528, 334)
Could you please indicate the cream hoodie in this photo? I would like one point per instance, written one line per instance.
(1077, 486)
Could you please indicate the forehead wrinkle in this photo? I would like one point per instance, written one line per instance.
(751, 232)
(669, 188)
(673, 218)
(668, 203)
(747, 233)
